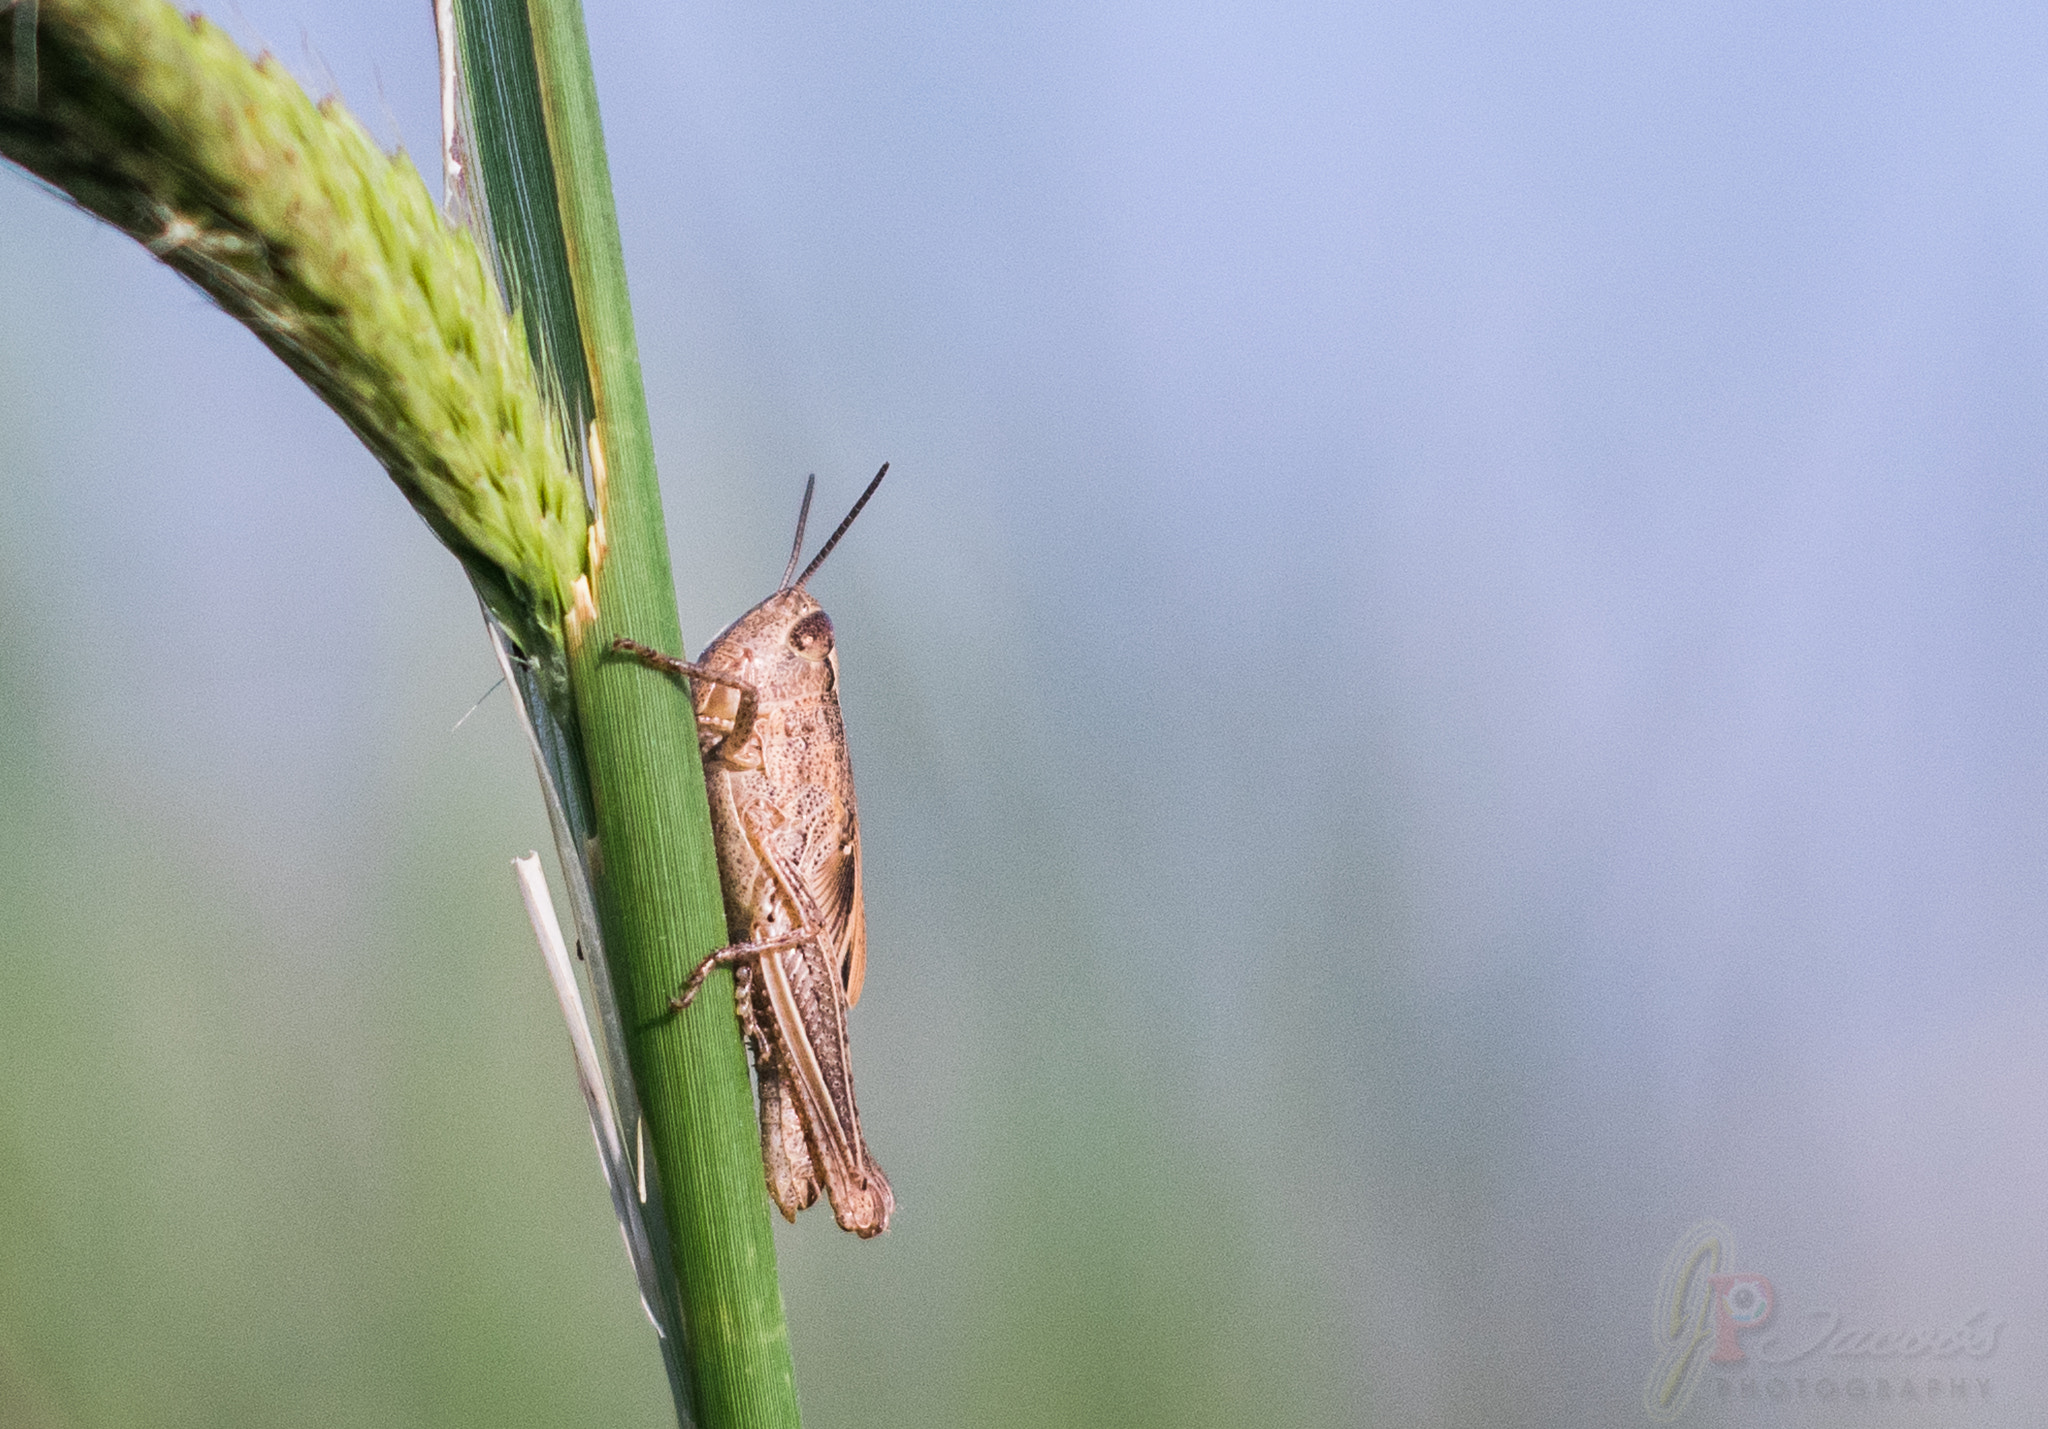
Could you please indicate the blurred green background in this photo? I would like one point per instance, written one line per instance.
(1449, 681)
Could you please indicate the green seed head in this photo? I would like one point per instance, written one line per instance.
(289, 216)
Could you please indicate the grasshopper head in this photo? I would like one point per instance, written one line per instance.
(784, 645)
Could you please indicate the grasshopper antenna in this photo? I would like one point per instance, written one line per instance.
(819, 559)
(796, 547)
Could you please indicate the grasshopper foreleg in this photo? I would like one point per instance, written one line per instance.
(750, 697)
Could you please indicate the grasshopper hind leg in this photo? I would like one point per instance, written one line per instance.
(792, 1175)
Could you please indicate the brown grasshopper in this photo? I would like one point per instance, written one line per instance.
(782, 812)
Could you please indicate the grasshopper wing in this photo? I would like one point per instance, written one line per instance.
(833, 881)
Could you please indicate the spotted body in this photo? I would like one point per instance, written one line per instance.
(766, 694)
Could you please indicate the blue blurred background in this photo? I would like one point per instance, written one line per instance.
(1449, 683)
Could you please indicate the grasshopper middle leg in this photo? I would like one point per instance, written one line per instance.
(737, 953)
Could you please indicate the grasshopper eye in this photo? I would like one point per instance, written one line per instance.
(811, 637)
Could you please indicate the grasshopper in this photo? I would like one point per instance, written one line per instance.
(775, 764)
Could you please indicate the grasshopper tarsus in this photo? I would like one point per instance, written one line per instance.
(694, 983)
(655, 660)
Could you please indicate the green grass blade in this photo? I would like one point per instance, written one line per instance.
(656, 881)
(500, 182)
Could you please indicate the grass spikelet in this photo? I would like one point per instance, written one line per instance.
(288, 215)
